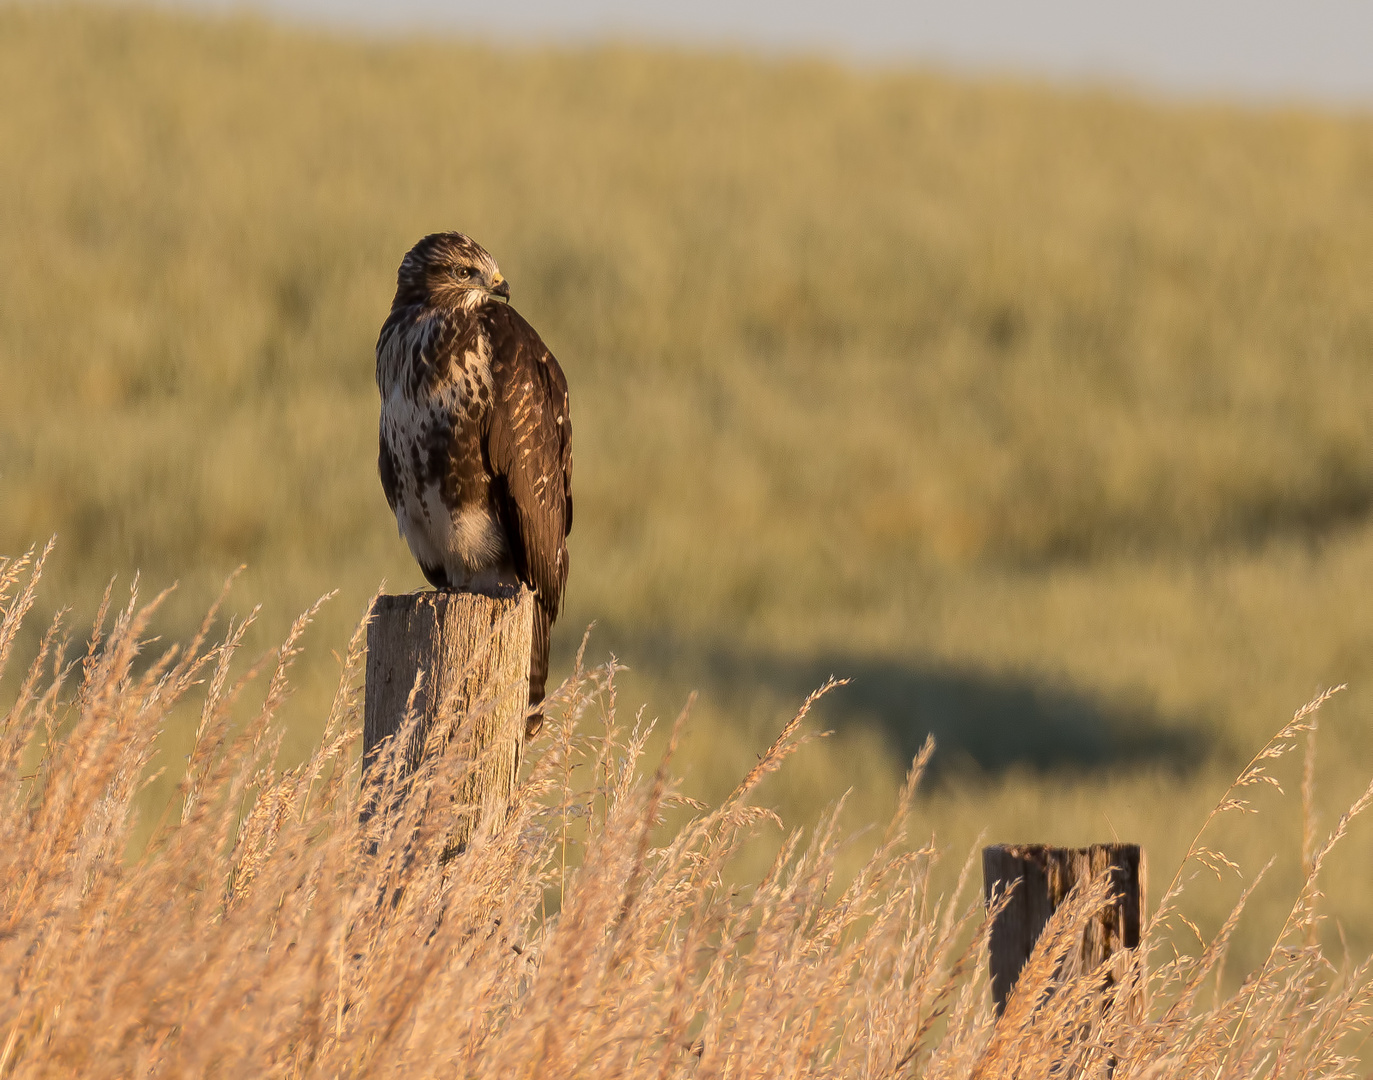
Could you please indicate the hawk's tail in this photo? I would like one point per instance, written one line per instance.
(538, 666)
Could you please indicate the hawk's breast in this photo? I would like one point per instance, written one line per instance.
(435, 377)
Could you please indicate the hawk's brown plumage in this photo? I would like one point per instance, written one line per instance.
(476, 437)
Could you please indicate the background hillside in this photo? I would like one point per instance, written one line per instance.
(1044, 415)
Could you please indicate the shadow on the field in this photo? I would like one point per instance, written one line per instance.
(989, 722)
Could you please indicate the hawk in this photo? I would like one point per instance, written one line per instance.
(476, 437)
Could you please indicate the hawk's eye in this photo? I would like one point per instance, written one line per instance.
(464, 272)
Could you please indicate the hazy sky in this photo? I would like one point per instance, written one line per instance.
(1316, 49)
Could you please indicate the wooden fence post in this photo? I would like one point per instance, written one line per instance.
(473, 651)
(1043, 877)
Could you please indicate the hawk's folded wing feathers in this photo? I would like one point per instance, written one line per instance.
(529, 447)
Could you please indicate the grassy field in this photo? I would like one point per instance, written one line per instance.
(1042, 414)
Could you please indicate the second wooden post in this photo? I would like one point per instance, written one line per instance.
(1039, 879)
(471, 654)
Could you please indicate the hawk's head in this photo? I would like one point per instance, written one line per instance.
(449, 269)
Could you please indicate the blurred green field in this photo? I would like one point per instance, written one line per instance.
(1044, 414)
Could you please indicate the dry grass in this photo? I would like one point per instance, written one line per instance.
(264, 931)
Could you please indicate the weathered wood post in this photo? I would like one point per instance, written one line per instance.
(1043, 877)
(473, 652)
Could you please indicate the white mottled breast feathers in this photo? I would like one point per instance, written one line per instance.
(430, 394)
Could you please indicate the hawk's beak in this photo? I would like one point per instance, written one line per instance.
(500, 287)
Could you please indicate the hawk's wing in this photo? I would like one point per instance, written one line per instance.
(388, 367)
(529, 449)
